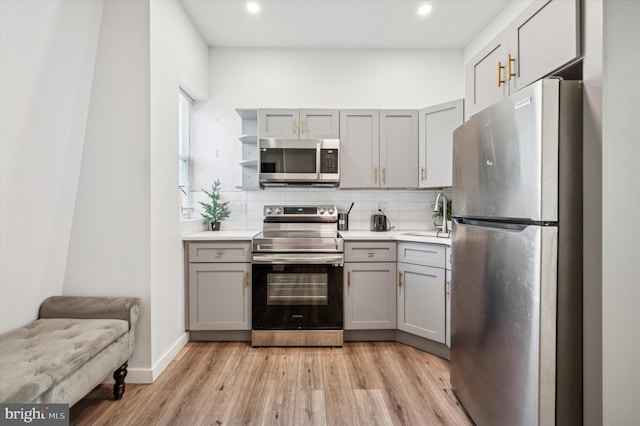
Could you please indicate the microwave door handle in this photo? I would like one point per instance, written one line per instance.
(318, 161)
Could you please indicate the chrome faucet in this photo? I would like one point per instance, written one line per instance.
(445, 228)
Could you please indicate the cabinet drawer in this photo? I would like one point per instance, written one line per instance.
(219, 252)
(422, 254)
(370, 252)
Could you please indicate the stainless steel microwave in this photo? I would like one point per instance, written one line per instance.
(299, 162)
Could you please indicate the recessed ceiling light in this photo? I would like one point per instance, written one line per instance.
(253, 7)
(425, 9)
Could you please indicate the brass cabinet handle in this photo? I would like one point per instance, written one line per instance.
(375, 175)
(246, 279)
(384, 175)
(500, 68)
(399, 279)
(370, 253)
(303, 131)
(421, 173)
(219, 253)
(509, 73)
(295, 126)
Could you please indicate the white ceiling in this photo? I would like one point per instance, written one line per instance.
(392, 24)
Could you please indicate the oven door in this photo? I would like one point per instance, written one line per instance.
(297, 292)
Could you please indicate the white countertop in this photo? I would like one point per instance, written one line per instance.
(414, 236)
(222, 235)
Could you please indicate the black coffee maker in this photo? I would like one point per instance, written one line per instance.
(379, 222)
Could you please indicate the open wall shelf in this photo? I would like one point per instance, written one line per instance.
(250, 153)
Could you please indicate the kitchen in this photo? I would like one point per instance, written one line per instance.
(130, 199)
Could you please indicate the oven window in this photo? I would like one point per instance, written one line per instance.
(297, 289)
(290, 160)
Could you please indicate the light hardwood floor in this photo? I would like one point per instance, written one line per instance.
(231, 383)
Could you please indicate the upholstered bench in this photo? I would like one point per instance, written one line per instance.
(73, 346)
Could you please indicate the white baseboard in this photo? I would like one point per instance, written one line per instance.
(146, 375)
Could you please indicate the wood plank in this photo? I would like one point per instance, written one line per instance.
(371, 407)
(231, 383)
(339, 402)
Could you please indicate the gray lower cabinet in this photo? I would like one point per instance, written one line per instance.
(448, 309)
(370, 296)
(219, 291)
(421, 290)
(369, 285)
(448, 306)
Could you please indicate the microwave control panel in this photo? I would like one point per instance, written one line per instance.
(329, 161)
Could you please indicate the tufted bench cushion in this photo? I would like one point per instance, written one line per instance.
(75, 344)
(36, 357)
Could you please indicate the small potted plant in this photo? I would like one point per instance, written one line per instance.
(215, 210)
(438, 216)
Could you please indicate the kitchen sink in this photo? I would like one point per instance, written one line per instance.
(421, 234)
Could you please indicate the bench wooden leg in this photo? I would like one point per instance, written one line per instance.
(118, 376)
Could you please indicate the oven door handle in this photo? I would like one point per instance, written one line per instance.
(287, 259)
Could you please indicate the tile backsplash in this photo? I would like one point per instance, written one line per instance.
(406, 209)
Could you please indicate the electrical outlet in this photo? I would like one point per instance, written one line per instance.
(381, 206)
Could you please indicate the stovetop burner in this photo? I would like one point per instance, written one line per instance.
(296, 229)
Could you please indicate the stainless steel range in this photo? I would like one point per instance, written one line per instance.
(297, 293)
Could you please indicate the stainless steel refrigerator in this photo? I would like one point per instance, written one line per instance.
(516, 333)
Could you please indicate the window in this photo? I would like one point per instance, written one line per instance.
(185, 113)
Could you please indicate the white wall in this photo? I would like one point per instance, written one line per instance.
(89, 165)
(47, 56)
(620, 202)
(109, 252)
(315, 78)
(592, 213)
(179, 58)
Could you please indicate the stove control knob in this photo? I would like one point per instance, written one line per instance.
(268, 210)
(320, 210)
(330, 211)
(278, 211)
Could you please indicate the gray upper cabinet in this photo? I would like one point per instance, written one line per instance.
(319, 124)
(437, 124)
(539, 42)
(359, 148)
(298, 124)
(398, 149)
(379, 148)
(547, 38)
(484, 76)
(278, 123)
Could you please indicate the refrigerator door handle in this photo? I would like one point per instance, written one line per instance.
(514, 227)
